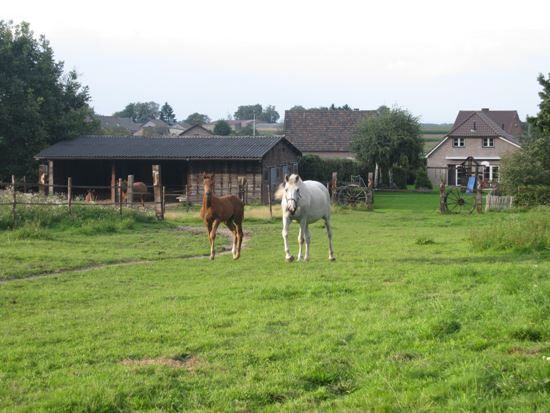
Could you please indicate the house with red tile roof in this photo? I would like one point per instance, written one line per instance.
(484, 135)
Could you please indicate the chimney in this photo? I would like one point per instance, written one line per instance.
(485, 109)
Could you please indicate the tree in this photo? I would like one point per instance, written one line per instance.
(247, 130)
(345, 107)
(391, 139)
(297, 107)
(222, 128)
(531, 165)
(269, 115)
(140, 112)
(39, 103)
(167, 114)
(197, 119)
(248, 112)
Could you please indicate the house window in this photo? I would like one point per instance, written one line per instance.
(495, 174)
(458, 142)
(488, 142)
(285, 170)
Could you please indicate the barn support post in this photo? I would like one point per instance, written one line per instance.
(69, 192)
(442, 203)
(269, 201)
(370, 197)
(333, 185)
(14, 199)
(479, 199)
(120, 196)
(157, 192)
(42, 174)
(113, 183)
(130, 191)
(50, 178)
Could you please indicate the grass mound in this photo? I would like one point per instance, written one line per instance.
(523, 232)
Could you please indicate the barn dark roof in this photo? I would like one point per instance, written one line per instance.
(317, 130)
(189, 147)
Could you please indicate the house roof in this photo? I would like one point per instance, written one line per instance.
(317, 130)
(133, 147)
(508, 120)
(198, 128)
(113, 122)
(152, 123)
(181, 126)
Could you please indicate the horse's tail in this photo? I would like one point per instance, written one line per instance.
(280, 192)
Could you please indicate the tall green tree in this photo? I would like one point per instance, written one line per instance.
(269, 115)
(391, 140)
(140, 111)
(531, 165)
(197, 119)
(167, 114)
(248, 111)
(40, 104)
(222, 128)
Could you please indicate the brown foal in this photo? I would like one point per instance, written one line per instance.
(227, 209)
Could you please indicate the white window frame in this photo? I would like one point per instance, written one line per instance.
(459, 143)
(488, 140)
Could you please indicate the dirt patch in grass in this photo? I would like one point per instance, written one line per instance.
(189, 363)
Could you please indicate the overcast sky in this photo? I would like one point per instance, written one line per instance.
(430, 57)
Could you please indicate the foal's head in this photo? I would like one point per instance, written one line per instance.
(292, 194)
(208, 182)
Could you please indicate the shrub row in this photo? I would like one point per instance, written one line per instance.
(532, 195)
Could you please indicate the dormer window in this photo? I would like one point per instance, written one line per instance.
(488, 142)
(458, 142)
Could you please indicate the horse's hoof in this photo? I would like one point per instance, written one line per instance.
(289, 259)
(332, 258)
(211, 258)
(236, 257)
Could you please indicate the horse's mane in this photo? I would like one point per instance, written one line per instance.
(280, 192)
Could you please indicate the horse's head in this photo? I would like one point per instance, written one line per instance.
(208, 182)
(292, 195)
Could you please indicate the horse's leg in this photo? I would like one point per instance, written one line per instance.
(233, 230)
(300, 242)
(212, 236)
(286, 223)
(307, 236)
(329, 234)
(239, 239)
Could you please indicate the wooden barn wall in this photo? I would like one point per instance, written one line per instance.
(283, 160)
(226, 178)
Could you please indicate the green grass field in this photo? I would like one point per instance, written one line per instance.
(415, 315)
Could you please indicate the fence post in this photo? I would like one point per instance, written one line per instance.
(479, 198)
(69, 192)
(25, 184)
(442, 204)
(50, 178)
(130, 191)
(333, 185)
(120, 196)
(269, 200)
(157, 191)
(14, 202)
(369, 191)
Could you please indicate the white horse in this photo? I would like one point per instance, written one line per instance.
(304, 202)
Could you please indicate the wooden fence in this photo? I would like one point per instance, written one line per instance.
(498, 202)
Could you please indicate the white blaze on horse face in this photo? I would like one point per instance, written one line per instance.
(292, 194)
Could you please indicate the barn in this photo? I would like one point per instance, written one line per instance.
(102, 160)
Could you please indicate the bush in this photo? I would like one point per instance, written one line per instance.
(532, 195)
(399, 176)
(317, 169)
(422, 180)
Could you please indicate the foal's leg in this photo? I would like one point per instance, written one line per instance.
(239, 239)
(212, 237)
(286, 223)
(300, 242)
(329, 234)
(233, 230)
(307, 236)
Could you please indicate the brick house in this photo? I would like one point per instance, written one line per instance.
(327, 133)
(484, 135)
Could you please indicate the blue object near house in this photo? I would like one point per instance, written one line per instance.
(471, 184)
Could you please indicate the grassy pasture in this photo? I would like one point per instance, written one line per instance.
(414, 315)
